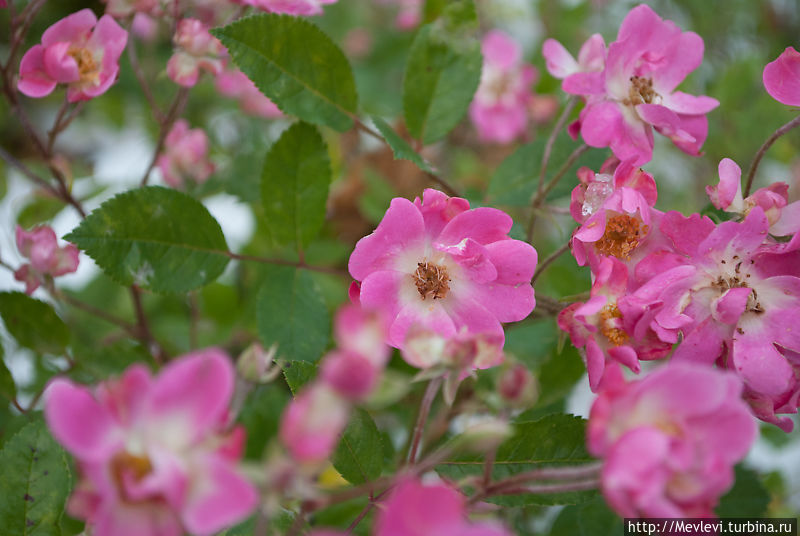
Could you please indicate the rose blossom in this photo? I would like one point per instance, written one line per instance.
(78, 51)
(437, 263)
(499, 109)
(781, 77)
(669, 441)
(156, 455)
(185, 155)
(40, 245)
(196, 50)
(588, 69)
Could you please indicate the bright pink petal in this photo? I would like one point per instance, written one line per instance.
(413, 509)
(109, 36)
(381, 291)
(595, 363)
(683, 103)
(59, 65)
(761, 366)
(501, 50)
(431, 317)
(515, 261)
(789, 222)
(484, 225)
(73, 28)
(33, 80)
(729, 190)
(782, 77)
(508, 303)
(704, 344)
(560, 63)
(730, 306)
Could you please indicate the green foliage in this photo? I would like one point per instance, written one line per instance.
(261, 415)
(359, 455)
(296, 65)
(33, 323)
(747, 497)
(298, 373)
(400, 147)
(552, 440)
(291, 312)
(592, 518)
(34, 483)
(156, 238)
(42, 209)
(442, 74)
(8, 388)
(294, 185)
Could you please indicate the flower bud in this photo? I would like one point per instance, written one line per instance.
(350, 374)
(256, 365)
(517, 386)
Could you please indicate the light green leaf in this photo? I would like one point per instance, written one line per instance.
(296, 65)
(554, 440)
(33, 323)
(34, 483)
(359, 455)
(291, 312)
(156, 238)
(8, 388)
(298, 373)
(294, 185)
(442, 74)
(400, 147)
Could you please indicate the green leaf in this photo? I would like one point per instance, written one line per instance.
(34, 483)
(296, 65)
(588, 519)
(552, 440)
(291, 312)
(400, 147)
(294, 185)
(156, 238)
(43, 208)
(8, 388)
(33, 323)
(261, 416)
(359, 456)
(516, 178)
(747, 497)
(298, 373)
(441, 77)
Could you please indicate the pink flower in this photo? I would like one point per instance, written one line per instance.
(153, 453)
(40, 245)
(78, 51)
(312, 422)
(196, 50)
(784, 219)
(587, 70)
(123, 8)
(438, 264)
(414, 509)
(3, 3)
(782, 77)
(635, 93)
(409, 15)
(499, 109)
(235, 84)
(670, 440)
(185, 155)
(290, 7)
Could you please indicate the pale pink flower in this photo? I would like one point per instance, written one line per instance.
(415, 509)
(517, 386)
(782, 77)
(636, 92)
(409, 15)
(499, 108)
(587, 70)
(156, 455)
(185, 155)
(78, 51)
(40, 245)
(236, 85)
(735, 296)
(438, 264)
(124, 8)
(784, 218)
(312, 422)
(290, 7)
(196, 50)
(145, 27)
(670, 440)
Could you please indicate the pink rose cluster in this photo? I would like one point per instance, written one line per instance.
(47, 259)
(185, 156)
(157, 456)
(629, 87)
(196, 50)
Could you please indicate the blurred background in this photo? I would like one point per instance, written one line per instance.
(108, 148)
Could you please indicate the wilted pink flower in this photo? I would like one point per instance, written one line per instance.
(782, 77)
(636, 90)
(196, 50)
(783, 219)
(312, 422)
(185, 155)
(290, 7)
(499, 108)
(235, 84)
(40, 245)
(414, 509)
(154, 454)
(670, 440)
(438, 264)
(123, 8)
(78, 51)
(735, 297)
(586, 71)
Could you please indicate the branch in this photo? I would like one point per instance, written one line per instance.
(424, 410)
(548, 261)
(165, 126)
(548, 148)
(751, 173)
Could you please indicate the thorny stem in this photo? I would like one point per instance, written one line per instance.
(548, 261)
(148, 94)
(548, 148)
(172, 115)
(751, 173)
(424, 410)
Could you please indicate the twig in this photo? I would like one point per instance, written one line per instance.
(372, 502)
(548, 148)
(5, 155)
(175, 109)
(751, 173)
(144, 333)
(548, 261)
(424, 410)
(148, 94)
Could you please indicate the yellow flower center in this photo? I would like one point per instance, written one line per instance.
(622, 236)
(615, 335)
(87, 66)
(432, 280)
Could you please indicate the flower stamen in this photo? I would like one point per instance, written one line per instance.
(432, 280)
(623, 234)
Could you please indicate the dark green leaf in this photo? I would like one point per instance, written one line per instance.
(34, 483)
(359, 456)
(296, 65)
(156, 238)
(8, 388)
(291, 312)
(441, 77)
(294, 185)
(261, 415)
(34, 324)
(400, 147)
(747, 497)
(591, 518)
(298, 373)
(515, 179)
(552, 440)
